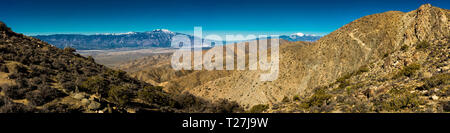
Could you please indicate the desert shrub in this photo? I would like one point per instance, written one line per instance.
(36, 81)
(119, 95)
(317, 99)
(7, 106)
(189, 103)
(154, 94)
(3, 100)
(400, 98)
(60, 108)
(362, 69)
(343, 84)
(71, 86)
(344, 78)
(404, 48)
(446, 106)
(15, 92)
(258, 108)
(225, 106)
(434, 81)
(95, 84)
(69, 50)
(360, 107)
(11, 107)
(43, 95)
(19, 69)
(91, 59)
(35, 98)
(4, 68)
(422, 45)
(295, 98)
(385, 55)
(408, 71)
(285, 100)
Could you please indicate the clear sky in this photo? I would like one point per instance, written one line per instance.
(320, 17)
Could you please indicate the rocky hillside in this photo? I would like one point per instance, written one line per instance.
(382, 61)
(38, 77)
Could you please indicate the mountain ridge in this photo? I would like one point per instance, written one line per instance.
(308, 66)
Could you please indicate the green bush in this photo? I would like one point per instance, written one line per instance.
(319, 97)
(404, 48)
(446, 106)
(285, 100)
(434, 81)
(408, 70)
(95, 84)
(258, 108)
(119, 95)
(69, 50)
(422, 45)
(401, 99)
(4, 68)
(154, 94)
(295, 98)
(362, 69)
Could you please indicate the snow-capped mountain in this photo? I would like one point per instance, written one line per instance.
(155, 38)
(300, 37)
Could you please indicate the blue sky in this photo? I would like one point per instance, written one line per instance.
(320, 17)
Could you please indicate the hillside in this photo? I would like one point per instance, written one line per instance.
(386, 62)
(38, 77)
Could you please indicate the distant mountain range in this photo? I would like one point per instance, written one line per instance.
(300, 37)
(155, 38)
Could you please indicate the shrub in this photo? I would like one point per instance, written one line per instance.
(258, 108)
(295, 98)
(285, 99)
(404, 48)
(15, 92)
(362, 69)
(317, 99)
(119, 95)
(60, 108)
(11, 107)
(436, 80)
(400, 99)
(385, 55)
(422, 45)
(225, 106)
(446, 106)
(153, 94)
(43, 95)
(408, 70)
(4, 68)
(95, 84)
(69, 50)
(71, 86)
(188, 103)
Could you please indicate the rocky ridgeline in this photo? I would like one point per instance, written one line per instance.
(38, 77)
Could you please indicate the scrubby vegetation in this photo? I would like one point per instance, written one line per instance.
(422, 45)
(404, 48)
(48, 79)
(437, 80)
(408, 71)
(258, 108)
(398, 99)
(319, 98)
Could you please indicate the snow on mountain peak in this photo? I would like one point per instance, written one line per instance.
(299, 34)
